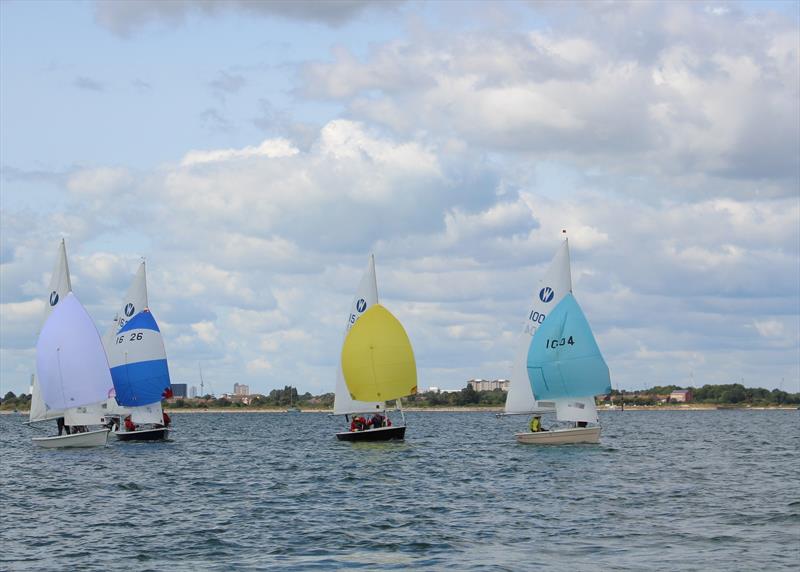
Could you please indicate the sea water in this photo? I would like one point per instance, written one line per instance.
(671, 490)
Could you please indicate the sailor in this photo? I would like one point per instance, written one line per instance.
(61, 426)
(165, 418)
(536, 424)
(129, 425)
(377, 421)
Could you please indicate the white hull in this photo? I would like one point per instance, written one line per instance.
(97, 438)
(561, 436)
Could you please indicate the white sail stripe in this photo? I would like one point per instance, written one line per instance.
(134, 350)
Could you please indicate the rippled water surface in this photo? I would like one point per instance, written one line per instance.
(672, 490)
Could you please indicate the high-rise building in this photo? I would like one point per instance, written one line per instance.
(178, 390)
(241, 389)
(193, 391)
(489, 385)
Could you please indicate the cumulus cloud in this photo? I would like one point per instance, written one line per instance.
(694, 100)
(668, 153)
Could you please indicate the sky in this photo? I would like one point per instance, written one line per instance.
(255, 154)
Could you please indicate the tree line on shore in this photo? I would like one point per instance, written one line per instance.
(733, 394)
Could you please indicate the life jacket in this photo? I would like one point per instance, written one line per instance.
(536, 425)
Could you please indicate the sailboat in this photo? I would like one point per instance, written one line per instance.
(138, 364)
(558, 366)
(376, 365)
(73, 378)
(292, 407)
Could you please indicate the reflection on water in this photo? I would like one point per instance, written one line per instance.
(663, 491)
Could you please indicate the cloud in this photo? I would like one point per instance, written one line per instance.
(100, 180)
(216, 121)
(258, 365)
(88, 84)
(124, 18)
(662, 136)
(228, 83)
(690, 101)
(271, 148)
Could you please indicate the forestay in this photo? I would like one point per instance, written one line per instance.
(564, 362)
(366, 297)
(554, 285)
(71, 365)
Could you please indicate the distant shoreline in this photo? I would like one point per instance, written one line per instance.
(183, 410)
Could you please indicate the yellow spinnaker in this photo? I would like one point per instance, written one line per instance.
(377, 359)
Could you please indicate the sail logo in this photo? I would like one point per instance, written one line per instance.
(546, 294)
(53, 298)
(361, 305)
(129, 309)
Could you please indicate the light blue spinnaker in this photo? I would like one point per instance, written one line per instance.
(139, 362)
(563, 358)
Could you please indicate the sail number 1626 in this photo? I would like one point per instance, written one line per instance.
(134, 336)
(554, 343)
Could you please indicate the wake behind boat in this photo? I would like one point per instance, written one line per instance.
(376, 365)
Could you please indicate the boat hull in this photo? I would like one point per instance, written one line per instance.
(561, 436)
(157, 434)
(97, 438)
(379, 434)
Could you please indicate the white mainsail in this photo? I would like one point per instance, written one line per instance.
(60, 286)
(71, 364)
(135, 301)
(366, 296)
(554, 285)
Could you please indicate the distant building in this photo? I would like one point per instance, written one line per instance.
(193, 391)
(681, 396)
(489, 384)
(241, 389)
(178, 390)
(433, 389)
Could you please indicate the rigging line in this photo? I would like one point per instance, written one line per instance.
(60, 379)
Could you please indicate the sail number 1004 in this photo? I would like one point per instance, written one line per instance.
(552, 344)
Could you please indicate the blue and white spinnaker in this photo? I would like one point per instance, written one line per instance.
(565, 365)
(138, 362)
